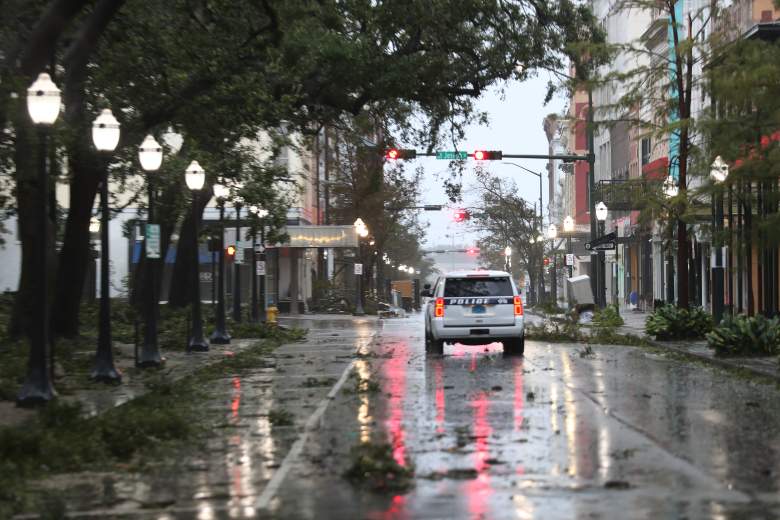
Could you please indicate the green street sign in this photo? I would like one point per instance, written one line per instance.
(152, 241)
(452, 156)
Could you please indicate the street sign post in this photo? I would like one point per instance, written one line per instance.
(152, 241)
(239, 257)
(569, 259)
(260, 268)
(358, 268)
(603, 243)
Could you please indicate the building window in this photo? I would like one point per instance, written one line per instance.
(645, 151)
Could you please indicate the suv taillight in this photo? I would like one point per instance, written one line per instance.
(439, 310)
(518, 306)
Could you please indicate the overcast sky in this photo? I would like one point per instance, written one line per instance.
(515, 126)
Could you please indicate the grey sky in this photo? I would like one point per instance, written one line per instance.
(515, 126)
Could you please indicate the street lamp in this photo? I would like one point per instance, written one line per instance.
(105, 136)
(568, 229)
(150, 155)
(601, 216)
(43, 105)
(552, 234)
(220, 336)
(719, 172)
(259, 213)
(670, 190)
(195, 177)
(238, 203)
(362, 232)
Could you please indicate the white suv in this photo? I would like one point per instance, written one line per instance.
(474, 308)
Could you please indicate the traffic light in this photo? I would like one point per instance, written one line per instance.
(398, 153)
(546, 261)
(230, 250)
(460, 215)
(473, 251)
(488, 155)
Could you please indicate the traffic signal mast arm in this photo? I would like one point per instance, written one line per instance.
(406, 154)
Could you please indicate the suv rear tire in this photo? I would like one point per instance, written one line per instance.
(515, 347)
(434, 346)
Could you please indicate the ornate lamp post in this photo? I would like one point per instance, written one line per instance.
(43, 105)
(238, 202)
(195, 176)
(105, 135)
(568, 229)
(601, 216)
(719, 172)
(150, 155)
(362, 232)
(552, 234)
(670, 191)
(220, 336)
(258, 314)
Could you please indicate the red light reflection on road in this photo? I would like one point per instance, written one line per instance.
(395, 375)
(438, 377)
(235, 404)
(479, 490)
(517, 368)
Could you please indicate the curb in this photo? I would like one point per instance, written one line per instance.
(720, 362)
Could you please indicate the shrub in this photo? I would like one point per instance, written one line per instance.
(607, 318)
(670, 323)
(746, 336)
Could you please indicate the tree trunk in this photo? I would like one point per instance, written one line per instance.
(180, 294)
(29, 205)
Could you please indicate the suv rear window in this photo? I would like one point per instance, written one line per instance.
(488, 286)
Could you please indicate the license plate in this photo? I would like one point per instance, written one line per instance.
(478, 309)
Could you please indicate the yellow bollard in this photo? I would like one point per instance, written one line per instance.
(270, 315)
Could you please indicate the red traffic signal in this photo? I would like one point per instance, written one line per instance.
(473, 251)
(488, 155)
(397, 153)
(230, 250)
(460, 215)
(546, 261)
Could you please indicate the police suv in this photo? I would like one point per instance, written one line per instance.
(474, 308)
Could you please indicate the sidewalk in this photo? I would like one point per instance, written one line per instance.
(634, 323)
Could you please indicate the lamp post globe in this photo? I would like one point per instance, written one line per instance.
(507, 251)
(568, 224)
(44, 101)
(195, 176)
(150, 154)
(105, 131)
(221, 192)
(719, 170)
(670, 188)
(601, 212)
(552, 232)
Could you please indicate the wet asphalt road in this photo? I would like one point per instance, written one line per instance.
(620, 433)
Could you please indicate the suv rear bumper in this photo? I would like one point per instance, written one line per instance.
(496, 333)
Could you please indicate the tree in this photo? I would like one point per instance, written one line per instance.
(657, 97)
(505, 219)
(249, 65)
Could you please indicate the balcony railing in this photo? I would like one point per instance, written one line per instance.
(626, 194)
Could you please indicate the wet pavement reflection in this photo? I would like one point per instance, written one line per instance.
(619, 432)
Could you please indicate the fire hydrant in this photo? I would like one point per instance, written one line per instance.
(270, 315)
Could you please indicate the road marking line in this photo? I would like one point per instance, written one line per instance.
(311, 424)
